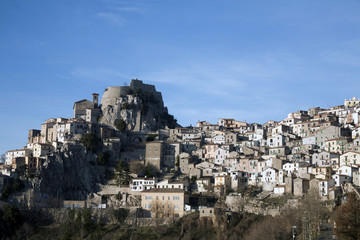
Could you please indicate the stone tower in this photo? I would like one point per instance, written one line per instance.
(95, 99)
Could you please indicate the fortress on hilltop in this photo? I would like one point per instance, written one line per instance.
(112, 93)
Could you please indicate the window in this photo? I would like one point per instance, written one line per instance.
(176, 207)
(176, 198)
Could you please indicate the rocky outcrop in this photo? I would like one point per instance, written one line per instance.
(66, 175)
(139, 105)
(72, 173)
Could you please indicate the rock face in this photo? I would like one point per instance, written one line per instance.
(70, 174)
(139, 105)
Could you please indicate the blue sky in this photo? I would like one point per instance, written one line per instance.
(249, 60)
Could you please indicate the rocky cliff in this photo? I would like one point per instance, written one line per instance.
(139, 105)
(71, 173)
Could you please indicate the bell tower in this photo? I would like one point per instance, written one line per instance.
(95, 99)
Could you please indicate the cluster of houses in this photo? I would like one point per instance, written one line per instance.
(315, 149)
(318, 148)
(53, 135)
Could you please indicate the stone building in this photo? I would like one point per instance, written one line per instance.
(154, 154)
(10, 155)
(351, 102)
(301, 186)
(111, 94)
(81, 106)
(164, 202)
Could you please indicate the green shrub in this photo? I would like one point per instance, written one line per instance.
(103, 158)
(91, 142)
(193, 179)
(126, 106)
(121, 125)
(121, 214)
(13, 186)
(151, 137)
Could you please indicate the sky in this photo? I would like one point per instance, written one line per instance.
(248, 60)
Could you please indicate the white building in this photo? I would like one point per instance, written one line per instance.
(325, 159)
(10, 155)
(41, 149)
(276, 141)
(324, 187)
(173, 184)
(141, 184)
(347, 170)
(219, 139)
(341, 179)
(350, 158)
(203, 184)
(269, 175)
(220, 156)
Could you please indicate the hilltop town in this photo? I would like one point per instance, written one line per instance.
(127, 152)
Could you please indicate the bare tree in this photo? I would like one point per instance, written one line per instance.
(162, 210)
(25, 231)
(312, 212)
(347, 219)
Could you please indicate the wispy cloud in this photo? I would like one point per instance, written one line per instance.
(252, 89)
(224, 79)
(112, 18)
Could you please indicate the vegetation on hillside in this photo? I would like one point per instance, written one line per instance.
(347, 219)
(121, 125)
(306, 221)
(15, 185)
(91, 142)
(103, 158)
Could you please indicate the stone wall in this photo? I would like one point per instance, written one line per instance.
(111, 94)
(98, 215)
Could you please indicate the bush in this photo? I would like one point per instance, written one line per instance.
(121, 214)
(87, 220)
(109, 174)
(136, 167)
(72, 214)
(126, 106)
(122, 173)
(118, 196)
(10, 219)
(121, 125)
(347, 219)
(30, 175)
(193, 179)
(149, 171)
(103, 158)
(14, 186)
(91, 142)
(151, 137)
